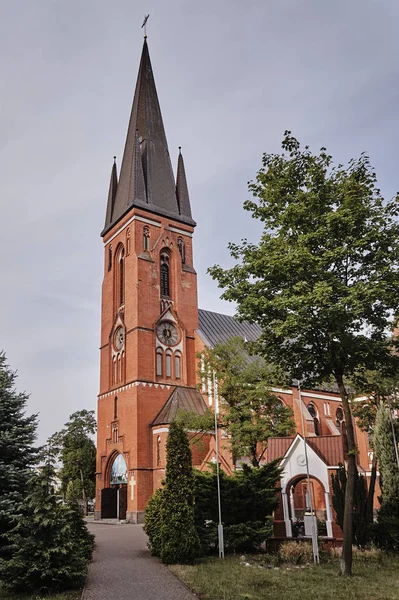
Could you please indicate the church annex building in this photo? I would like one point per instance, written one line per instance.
(152, 331)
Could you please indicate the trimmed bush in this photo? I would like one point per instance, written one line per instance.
(153, 520)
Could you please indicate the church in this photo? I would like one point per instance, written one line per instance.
(152, 332)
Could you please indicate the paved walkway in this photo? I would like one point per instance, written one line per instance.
(123, 569)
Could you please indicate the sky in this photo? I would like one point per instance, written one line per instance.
(231, 76)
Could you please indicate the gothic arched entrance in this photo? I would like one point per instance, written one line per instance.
(114, 497)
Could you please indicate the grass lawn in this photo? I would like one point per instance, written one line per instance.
(75, 595)
(215, 579)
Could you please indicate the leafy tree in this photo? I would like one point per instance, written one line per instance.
(50, 547)
(322, 282)
(17, 451)
(387, 459)
(180, 543)
(78, 454)
(250, 412)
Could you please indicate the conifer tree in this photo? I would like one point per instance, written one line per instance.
(49, 548)
(384, 446)
(17, 452)
(180, 542)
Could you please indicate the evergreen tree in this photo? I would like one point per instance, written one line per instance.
(361, 516)
(384, 446)
(180, 542)
(17, 452)
(50, 547)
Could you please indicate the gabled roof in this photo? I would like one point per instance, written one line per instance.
(182, 398)
(215, 327)
(146, 177)
(328, 447)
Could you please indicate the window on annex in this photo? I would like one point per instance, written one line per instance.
(313, 413)
(339, 417)
(158, 451)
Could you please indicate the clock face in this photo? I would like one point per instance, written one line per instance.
(119, 338)
(301, 460)
(167, 334)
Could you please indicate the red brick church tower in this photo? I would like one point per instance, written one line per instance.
(149, 311)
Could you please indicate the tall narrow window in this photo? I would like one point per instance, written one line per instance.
(177, 364)
(115, 407)
(168, 363)
(128, 241)
(165, 274)
(158, 451)
(146, 239)
(109, 258)
(313, 413)
(180, 245)
(119, 276)
(159, 357)
(339, 417)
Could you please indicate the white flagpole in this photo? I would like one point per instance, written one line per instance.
(315, 544)
(220, 526)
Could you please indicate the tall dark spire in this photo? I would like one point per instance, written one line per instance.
(146, 178)
(113, 186)
(183, 199)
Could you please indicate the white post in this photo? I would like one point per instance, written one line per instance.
(220, 526)
(287, 520)
(328, 515)
(314, 526)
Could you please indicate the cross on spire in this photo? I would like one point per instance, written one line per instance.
(145, 25)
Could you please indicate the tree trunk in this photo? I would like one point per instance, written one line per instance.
(370, 495)
(83, 494)
(346, 560)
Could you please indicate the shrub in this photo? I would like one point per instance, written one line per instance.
(296, 553)
(385, 533)
(369, 555)
(152, 522)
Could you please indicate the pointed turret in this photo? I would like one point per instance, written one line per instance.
(183, 199)
(146, 177)
(113, 186)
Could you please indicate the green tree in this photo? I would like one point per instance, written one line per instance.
(384, 445)
(49, 547)
(180, 542)
(375, 387)
(78, 454)
(250, 412)
(322, 282)
(361, 517)
(17, 451)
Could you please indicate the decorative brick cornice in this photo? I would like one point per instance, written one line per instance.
(128, 386)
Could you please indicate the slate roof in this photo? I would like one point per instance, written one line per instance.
(146, 177)
(182, 398)
(215, 327)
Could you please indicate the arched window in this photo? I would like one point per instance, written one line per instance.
(109, 257)
(120, 276)
(165, 274)
(339, 417)
(313, 413)
(114, 374)
(146, 239)
(180, 245)
(116, 407)
(159, 360)
(177, 365)
(158, 451)
(168, 363)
